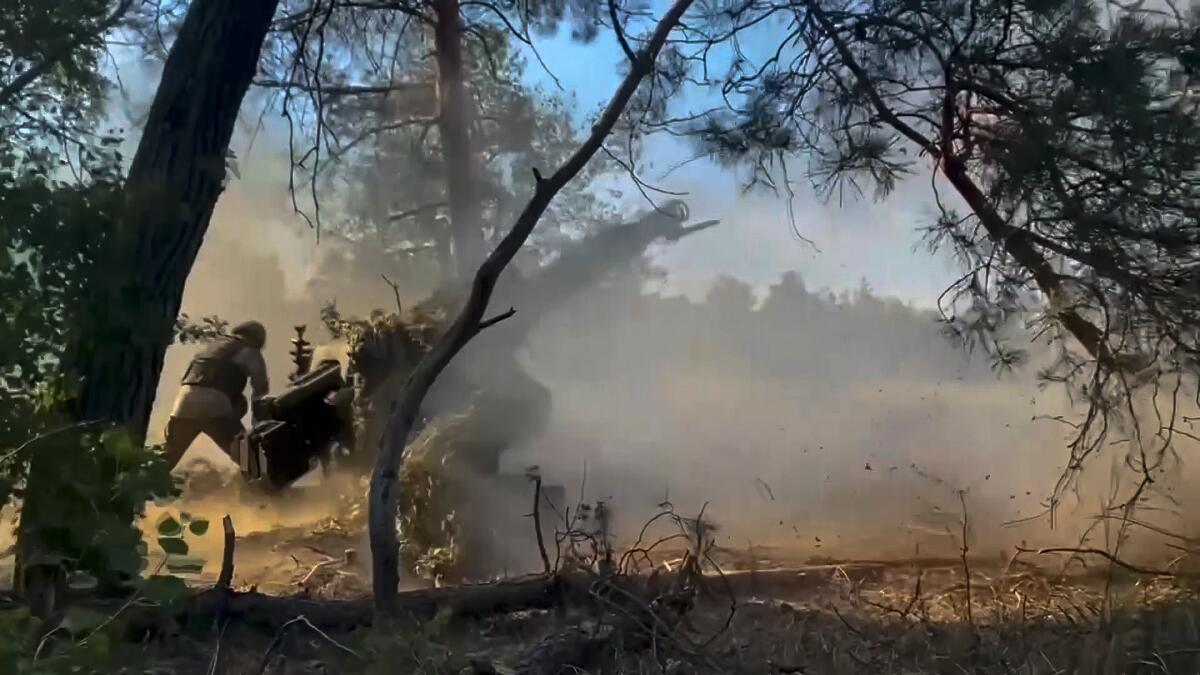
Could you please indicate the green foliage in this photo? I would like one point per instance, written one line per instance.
(1075, 122)
(32, 31)
(51, 240)
(189, 331)
(386, 182)
(198, 527)
(52, 233)
(79, 642)
(172, 533)
(78, 645)
(83, 495)
(1069, 131)
(60, 187)
(419, 326)
(80, 486)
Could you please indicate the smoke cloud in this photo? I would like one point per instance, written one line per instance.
(828, 425)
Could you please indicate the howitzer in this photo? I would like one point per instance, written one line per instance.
(299, 426)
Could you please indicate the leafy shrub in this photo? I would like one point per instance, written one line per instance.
(84, 493)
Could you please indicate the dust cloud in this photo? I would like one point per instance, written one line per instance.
(839, 427)
(827, 425)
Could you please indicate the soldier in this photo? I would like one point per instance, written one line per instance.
(211, 401)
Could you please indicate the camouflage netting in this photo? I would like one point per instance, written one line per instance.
(382, 350)
(448, 450)
(431, 541)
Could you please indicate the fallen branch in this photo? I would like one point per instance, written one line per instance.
(1107, 556)
(282, 635)
(315, 568)
(338, 90)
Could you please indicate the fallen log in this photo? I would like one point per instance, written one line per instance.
(272, 612)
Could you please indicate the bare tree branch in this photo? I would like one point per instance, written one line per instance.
(620, 32)
(337, 90)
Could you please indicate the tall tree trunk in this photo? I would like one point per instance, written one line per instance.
(176, 176)
(174, 180)
(454, 124)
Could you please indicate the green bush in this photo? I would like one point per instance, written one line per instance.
(88, 490)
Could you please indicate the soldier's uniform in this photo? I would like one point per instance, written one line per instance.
(211, 400)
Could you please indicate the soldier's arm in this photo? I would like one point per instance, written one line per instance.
(256, 369)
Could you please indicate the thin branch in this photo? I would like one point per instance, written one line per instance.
(43, 436)
(338, 90)
(395, 291)
(488, 323)
(301, 620)
(620, 32)
(1013, 239)
(1107, 556)
(537, 524)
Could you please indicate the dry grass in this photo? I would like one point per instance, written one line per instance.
(790, 616)
(838, 620)
(1025, 623)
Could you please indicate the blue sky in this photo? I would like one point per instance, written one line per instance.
(756, 243)
(860, 239)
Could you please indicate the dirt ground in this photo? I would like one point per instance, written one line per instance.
(763, 612)
(859, 619)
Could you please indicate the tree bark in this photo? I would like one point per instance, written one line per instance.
(1016, 243)
(176, 176)
(383, 499)
(454, 124)
(177, 173)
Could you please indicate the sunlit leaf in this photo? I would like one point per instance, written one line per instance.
(169, 527)
(173, 546)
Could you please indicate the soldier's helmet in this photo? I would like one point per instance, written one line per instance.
(252, 332)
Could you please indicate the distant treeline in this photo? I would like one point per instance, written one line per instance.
(791, 333)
